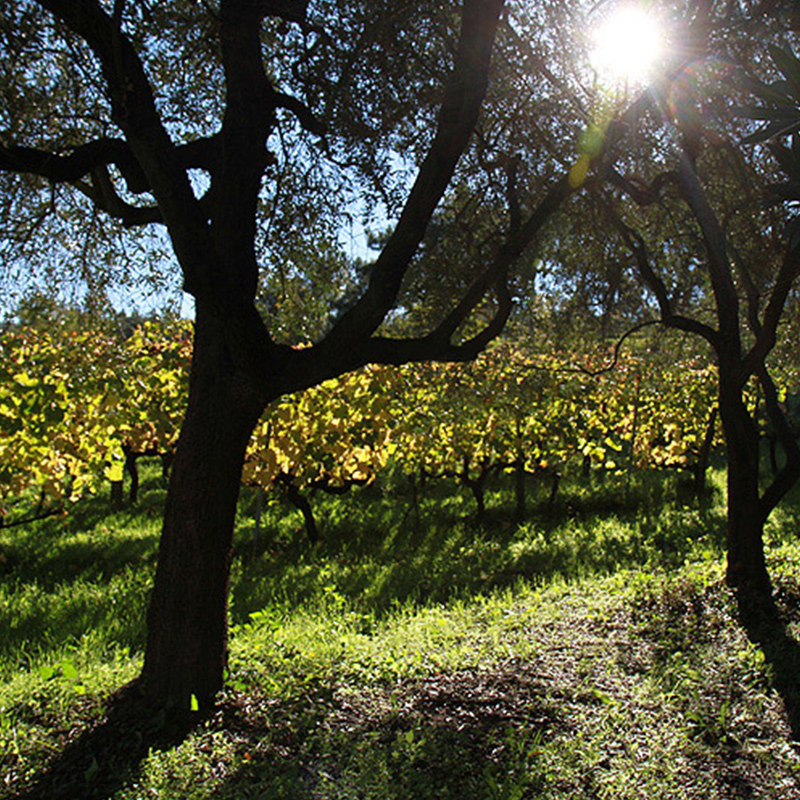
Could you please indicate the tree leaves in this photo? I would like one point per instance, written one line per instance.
(780, 111)
(781, 114)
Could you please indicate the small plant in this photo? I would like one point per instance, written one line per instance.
(65, 673)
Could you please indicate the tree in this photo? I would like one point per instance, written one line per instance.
(245, 132)
(745, 270)
(163, 115)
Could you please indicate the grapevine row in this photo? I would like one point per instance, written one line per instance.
(76, 408)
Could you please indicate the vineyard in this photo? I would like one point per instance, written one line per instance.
(79, 408)
(476, 473)
(418, 649)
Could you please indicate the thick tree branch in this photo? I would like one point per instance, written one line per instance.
(82, 160)
(249, 117)
(642, 194)
(102, 193)
(134, 110)
(76, 164)
(92, 159)
(719, 266)
(204, 259)
(203, 153)
(458, 115)
(301, 111)
(349, 333)
(385, 350)
(437, 345)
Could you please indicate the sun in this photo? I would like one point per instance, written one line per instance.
(627, 46)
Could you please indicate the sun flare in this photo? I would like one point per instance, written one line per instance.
(627, 46)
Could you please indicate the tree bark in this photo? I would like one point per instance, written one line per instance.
(186, 653)
(746, 569)
(300, 502)
(237, 368)
(519, 489)
(132, 468)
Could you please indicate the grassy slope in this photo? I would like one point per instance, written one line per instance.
(415, 654)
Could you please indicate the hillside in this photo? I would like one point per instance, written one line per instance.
(591, 652)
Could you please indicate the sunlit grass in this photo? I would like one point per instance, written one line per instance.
(417, 652)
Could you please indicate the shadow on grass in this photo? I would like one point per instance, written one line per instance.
(92, 541)
(767, 628)
(450, 736)
(104, 758)
(377, 555)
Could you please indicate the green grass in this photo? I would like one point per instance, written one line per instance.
(592, 651)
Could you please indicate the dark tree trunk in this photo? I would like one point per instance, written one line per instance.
(186, 651)
(703, 457)
(300, 502)
(237, 368)
(132, 469)
(747, 569)
(116, 495)
(519, 489)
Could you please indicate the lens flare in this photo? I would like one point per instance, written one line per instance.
(627, 46)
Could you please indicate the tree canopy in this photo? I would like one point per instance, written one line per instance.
(239, 140)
